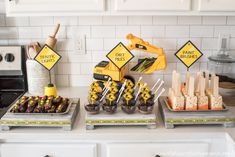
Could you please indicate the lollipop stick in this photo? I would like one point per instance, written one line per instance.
(139, 91)
(159, 87)
(140, 78)
(123, 86)
(121, 91)
(104, 94)
(106, 88)
(163, 90)
(155, 84)
(106, 85)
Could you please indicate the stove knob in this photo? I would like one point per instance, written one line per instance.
(0, 58)
(9, 57)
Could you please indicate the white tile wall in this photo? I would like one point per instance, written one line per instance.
(103, 33)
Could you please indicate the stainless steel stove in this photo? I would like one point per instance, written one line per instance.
(13, 82)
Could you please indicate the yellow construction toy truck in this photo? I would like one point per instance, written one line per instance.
(105, 69)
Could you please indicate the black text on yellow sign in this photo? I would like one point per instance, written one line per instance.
(188, 54)
(120, 55)
(47, 57)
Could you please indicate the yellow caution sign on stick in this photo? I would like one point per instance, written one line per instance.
(47, 57)
(188, 54)
(120, 55)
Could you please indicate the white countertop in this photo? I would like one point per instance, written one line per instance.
(79, 131)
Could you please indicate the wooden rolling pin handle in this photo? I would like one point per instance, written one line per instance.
(56, 30)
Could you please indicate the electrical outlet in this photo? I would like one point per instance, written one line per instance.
(80, 44)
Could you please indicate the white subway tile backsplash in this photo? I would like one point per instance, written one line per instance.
(65, 44)
(140, 20)
(201, 31)
(70, 21)
(183, 69)
(3, 42)
(64, 56)
(80, 80)
(110, 43)
(209, 44)
(8, 32)
(68, 68)
(232, 43)
(74, 31)
(152, 31)
(231, 20)
(2, 20)
(90, 20)
(166, 44)
(62, 80)
(94, 44)
(2, 7)
(214, 20)
(165, 20)
(41, 21)
(30, 32)
(103, 31)
(98, 56)
(87, 68)
(177, 31)
(79, 58)
(170, 67)
(206, 54)
(189, 20)
(203, 66)
(19, 41)
(224, 30)
(195, 41)
(122, 31)
(17, 21)
(47, 31)
(118, 20)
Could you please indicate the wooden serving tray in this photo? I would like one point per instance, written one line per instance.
(225, 108)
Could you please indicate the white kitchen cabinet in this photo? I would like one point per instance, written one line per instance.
(197, 149)
(217, 5)
(43, 7)
(152, 5)
(48, 150)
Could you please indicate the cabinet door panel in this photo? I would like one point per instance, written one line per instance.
(152, 5)
(217, 5)
(24, 6)
(52, 150)
(162, 149)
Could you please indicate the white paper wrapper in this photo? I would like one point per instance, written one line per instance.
(38, 77)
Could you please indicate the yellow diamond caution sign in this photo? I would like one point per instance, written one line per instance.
(47, 57)
(120, 55)
(188, 54)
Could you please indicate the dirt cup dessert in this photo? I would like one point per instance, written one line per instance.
(110, 105)
(128, 105)
(146, 103)
(93, 106)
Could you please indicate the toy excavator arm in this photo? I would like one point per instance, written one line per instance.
(140, 44)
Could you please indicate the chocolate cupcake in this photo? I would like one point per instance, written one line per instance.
(93, 106)
(128, 105)
(146, 103)
(110, 105)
